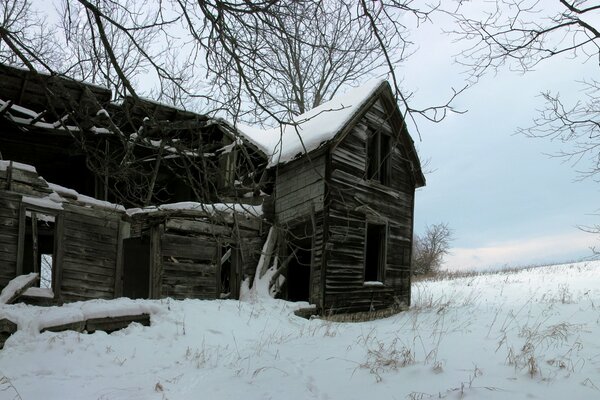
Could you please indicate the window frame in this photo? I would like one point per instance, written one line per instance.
(56, 262)
(381, 157)
(382, 251)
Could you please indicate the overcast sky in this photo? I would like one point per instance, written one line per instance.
(507, 202)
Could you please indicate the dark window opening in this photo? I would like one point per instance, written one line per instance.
(375, 255)
(379, 157)
(298, 269)
(39, 247)
(226, 264)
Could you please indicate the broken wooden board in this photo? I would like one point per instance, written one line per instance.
(306, 312)
(16, 287)
(7, 328)
(77, 326)
(111, 324)
(37, 296)
(106, 324)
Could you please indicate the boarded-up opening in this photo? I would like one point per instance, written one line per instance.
(298, 270)
(136, 267)
(375, 252)
(39, 246)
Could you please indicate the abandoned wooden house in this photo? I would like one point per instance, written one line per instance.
(336, 186)
(345, 178)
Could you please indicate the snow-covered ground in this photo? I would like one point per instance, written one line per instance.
(518, 335)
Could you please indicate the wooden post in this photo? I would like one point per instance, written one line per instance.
(106, 150)
(4, 109)
(58, 259)
(9, 172)
(124, 232)
(312, 253)
(34, 240)
(156, 268)
(155, 174)
(21, 240)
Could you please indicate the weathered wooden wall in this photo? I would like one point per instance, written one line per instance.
(87, 253)
(300, 188)
(351, 199)
(307, 231)
(90, 246)
(299, 201)
(9, 235)
(186, 252)
(189, 266)
(14, 183)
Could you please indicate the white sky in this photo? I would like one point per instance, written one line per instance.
(508, 202)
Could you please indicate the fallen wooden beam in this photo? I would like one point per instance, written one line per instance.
(77, 326)
(16, 287)
(111, 324)
(106, 324)
(7, 328)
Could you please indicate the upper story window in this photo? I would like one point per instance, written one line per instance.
(379, 157)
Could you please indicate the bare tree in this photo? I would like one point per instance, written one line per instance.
(243, 48)
(256, 55)
(101, 53)
(520, 34)
(25, 39)
(307, 51)
(430, 249)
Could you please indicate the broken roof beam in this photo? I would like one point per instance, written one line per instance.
(38, 117)
(5, 107)
(17, 286)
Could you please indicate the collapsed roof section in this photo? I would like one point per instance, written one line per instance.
(62, 106)
(40, 193)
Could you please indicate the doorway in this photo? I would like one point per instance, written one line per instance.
(299, 250)
(136, 267)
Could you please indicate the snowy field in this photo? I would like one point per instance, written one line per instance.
(533, 334)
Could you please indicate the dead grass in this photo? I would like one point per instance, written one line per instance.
(449, 275)
(365, 315)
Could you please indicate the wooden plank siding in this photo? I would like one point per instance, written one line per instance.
(9, 235)
(300, 189)
(190, 252)
(299, 200)
(90, 249)
(353, 200)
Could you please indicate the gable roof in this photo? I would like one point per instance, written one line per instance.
(312, 129)
(319, 126)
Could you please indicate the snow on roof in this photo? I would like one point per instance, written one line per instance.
(311, 129)
(50, 202)
(31, 116)
(255, 211)
(66, 193)
(15, 285)
(16, 165)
